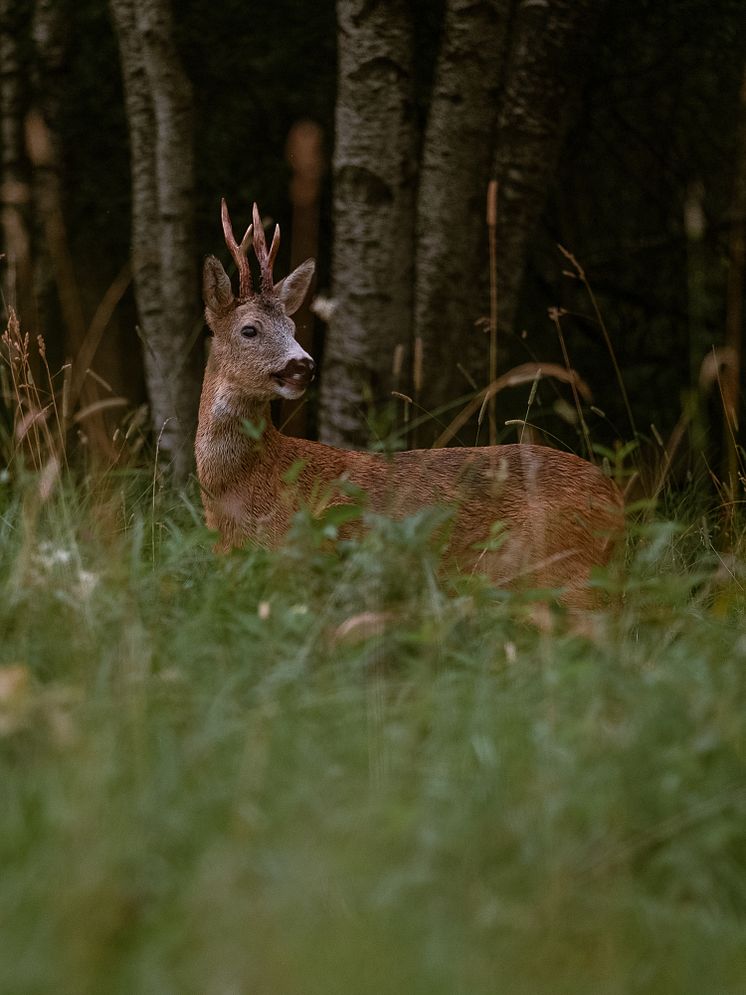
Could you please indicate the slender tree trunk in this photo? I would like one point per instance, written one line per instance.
(731, 386)
(49, 37)
(451, 244)
(305, 157)
(15, 188)
(374, 171)
(158, 100)
(550, 51)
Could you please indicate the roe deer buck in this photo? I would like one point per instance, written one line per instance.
(560, 513)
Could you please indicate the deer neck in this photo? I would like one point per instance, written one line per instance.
(235, 430)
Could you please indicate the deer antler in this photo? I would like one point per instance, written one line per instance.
(266, 259)
(239, 252)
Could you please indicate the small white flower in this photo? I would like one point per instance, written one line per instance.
(52, 556)
(87, 582)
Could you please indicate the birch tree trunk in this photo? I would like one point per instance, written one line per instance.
(549, 57)
(456, 166)
(374, 171)
(158, 102)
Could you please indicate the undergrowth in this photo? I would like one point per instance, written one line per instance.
(333, 768)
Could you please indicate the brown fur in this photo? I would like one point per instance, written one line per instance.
(561, 514)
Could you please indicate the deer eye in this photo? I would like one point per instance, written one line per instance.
(249, 331)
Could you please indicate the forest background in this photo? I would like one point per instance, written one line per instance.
(371, 132)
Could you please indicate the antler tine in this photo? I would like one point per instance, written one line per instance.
(247, 240)
(275, 247)
(266, 258)
(239, 252)
(260, 243)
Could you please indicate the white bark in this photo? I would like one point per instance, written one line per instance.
(158, 100)
(374, 172)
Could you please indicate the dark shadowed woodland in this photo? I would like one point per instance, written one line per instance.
(371, 132)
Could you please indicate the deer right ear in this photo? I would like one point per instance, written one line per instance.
(293, 288)
(216, 286)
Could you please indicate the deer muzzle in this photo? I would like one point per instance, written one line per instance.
(297, 373)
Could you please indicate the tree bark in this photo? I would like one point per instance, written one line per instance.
(374, 170)
(549, 57)
(49, 37)
(158, 102)
(49, 34)
(451, 246)
(56, 289)
(16, 192)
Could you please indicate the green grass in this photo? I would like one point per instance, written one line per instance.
(206, 787)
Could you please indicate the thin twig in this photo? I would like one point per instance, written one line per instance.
(522, 374)
(554, 314)
(492, 231)
(604, 331)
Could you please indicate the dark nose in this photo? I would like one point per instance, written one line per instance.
(300, 371)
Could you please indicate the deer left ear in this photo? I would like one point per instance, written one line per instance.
(294, 287)
(216, 286)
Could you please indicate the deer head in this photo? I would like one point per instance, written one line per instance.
(254, 342)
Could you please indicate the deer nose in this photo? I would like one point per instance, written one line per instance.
(300, 371)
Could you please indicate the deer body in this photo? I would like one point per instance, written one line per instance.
(560, 514)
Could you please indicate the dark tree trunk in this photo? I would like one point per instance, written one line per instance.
(551, 43)
(451, 248)
(507, 79)
(54, 274)
(15, 188)
(158, 101)
(731, 384)
(374, 172)
(49, 38)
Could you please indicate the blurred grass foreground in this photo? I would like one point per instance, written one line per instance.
(332, 769)
(336, 767)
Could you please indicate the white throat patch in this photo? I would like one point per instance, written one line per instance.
(223, 406)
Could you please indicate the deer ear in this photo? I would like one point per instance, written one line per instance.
(294, 287)
(216, 286)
